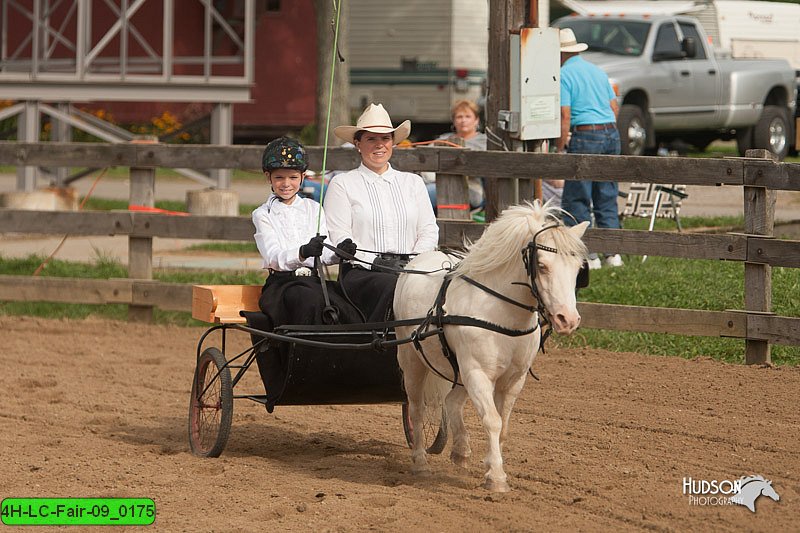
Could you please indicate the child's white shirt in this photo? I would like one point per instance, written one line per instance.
(281, 229)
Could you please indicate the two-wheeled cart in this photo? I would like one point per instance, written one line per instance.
(305, 365)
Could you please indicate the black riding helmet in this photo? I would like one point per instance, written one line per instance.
(284, 152)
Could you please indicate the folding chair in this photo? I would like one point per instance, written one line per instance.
(654, 200)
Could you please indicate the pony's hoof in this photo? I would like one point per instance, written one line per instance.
(421, 471)
(459, 460)
(496, 486)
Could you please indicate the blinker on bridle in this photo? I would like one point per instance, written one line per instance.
(529, 259)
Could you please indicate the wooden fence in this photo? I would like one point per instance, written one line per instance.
(756, 247)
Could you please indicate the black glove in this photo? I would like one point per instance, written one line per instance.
(313, 248)
(347, 246)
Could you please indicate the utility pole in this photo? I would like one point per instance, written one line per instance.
(505, 17)
(533, 22)
(340, 109)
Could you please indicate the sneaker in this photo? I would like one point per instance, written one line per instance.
(595, 263)
(614, 261)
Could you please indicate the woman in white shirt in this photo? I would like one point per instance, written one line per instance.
(385, 211)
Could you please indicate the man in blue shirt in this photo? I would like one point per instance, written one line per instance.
(588, 126)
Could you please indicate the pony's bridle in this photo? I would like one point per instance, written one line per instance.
(530, 260)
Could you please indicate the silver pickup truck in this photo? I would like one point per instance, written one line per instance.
(671, 86)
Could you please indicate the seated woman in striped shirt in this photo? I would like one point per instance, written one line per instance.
(386, 211)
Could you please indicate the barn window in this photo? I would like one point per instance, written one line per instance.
(273, 5)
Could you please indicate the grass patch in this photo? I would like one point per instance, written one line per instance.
(665, 224)
(728, 149)
(106, 269)
(104, 204)
(226, 247)
(687, 284)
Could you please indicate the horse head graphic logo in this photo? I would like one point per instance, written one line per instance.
(751, 488)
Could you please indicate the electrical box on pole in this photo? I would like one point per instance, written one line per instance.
(535, 86)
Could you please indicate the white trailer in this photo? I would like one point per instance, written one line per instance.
(745, 29)
(736, 28)
(417, 57)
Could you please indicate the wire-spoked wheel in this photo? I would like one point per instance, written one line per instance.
(211, 405)
(434, 428)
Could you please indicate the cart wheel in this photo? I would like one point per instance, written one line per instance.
(211, 405)
(434, 429)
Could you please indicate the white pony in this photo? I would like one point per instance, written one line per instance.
(492, 364)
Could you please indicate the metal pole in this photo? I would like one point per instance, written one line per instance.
(207, 42)
(62, 132)
(167, 40)
(222, 134)
(28, 131)
(36, 36)
(123, 40)
(249, 39)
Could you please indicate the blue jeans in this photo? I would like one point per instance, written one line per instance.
(581, 199)
(432, 194)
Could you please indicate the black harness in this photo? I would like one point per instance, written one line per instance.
(437, 318)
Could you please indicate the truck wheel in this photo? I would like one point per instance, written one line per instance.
(632, 130)
(772, 131)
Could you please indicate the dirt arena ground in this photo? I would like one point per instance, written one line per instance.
(602, 443)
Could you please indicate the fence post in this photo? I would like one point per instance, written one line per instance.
(140, 249)
(452, 193)
(759, 219)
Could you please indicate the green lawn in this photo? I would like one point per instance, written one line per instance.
(728, 149)
(688, 284)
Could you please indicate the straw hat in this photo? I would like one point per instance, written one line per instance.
(374, 119)
(569, 43)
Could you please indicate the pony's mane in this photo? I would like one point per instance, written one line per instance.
(504, 238)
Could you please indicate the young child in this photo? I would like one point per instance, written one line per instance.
(288, 241)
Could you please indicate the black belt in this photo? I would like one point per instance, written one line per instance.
(594, 127)
(390, 260)
(291, 273)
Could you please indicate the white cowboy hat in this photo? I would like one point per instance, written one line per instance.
(374, 119)
(569, 43)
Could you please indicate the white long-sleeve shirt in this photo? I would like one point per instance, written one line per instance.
(389, 212)
(281, 229)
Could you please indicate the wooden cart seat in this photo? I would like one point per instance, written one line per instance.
(220, 304)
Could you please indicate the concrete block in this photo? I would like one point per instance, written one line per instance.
(49, 199)
(213, 202)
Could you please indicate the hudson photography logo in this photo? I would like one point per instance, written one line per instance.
(743, 491)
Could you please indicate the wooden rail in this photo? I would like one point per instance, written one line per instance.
(759, 177)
